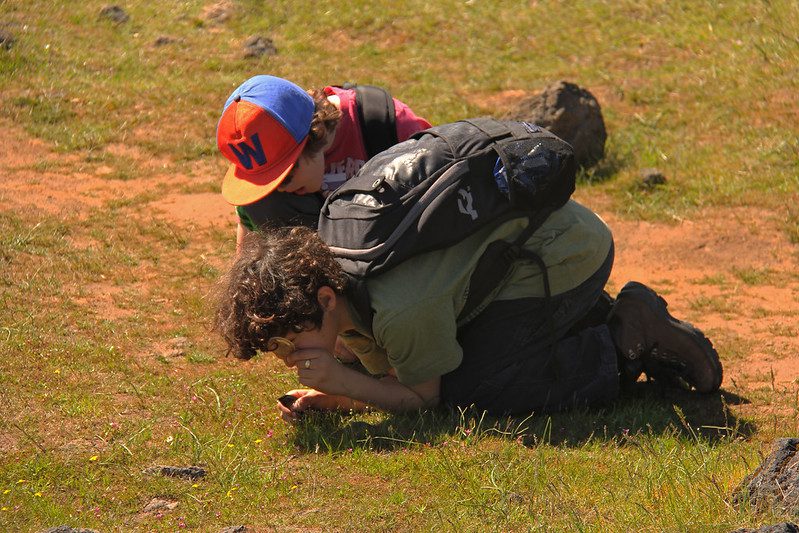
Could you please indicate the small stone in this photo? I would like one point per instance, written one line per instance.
(164, 40)
(114, 13)
(67, 529)
(185, 472)
(515, 497)
(651, 178)
(784, 527)
(570, 112)
(158, 504)
(774, 485)
(234, 529)
(257, 46)
(6, 40)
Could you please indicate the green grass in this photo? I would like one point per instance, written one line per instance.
(715, 279)
(715, 304)
(682, 81)
(753, 276)
(704, 92)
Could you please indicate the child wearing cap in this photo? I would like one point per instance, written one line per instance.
(289, 148)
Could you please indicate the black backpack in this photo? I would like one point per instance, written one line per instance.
(440, 186)
(377, 117)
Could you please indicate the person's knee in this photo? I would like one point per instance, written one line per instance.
(577, 371)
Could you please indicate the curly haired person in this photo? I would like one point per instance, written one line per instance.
(521, 353)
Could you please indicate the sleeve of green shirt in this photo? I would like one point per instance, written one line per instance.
(245, 219)
(421, 341)
(371, 356)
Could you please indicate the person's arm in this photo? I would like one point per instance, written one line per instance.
(243, 227)
(241, 231)
(389, 394)
(326, 375)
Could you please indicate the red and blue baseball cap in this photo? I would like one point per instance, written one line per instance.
(263, 129)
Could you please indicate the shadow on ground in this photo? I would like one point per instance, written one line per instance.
(643, 409)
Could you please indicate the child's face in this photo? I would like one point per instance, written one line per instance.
(306, 176)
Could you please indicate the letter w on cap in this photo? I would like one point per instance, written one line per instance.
(246, 153)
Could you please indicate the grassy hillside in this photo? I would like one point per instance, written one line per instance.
(94, 389)
(704, 91)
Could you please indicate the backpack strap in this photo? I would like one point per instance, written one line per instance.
(495, 263)
(360, 303)
(492, 267)
(377, 117)
(493, 128)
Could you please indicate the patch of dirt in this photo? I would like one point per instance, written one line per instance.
(35, 176)
(501, 101)
(133, 152)
(101, 301)
(340, 39)
(199, 210)
(8, 443)
(700, 265)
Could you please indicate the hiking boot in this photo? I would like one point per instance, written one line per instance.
(652, 341)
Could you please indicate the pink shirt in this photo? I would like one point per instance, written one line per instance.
(347, 154)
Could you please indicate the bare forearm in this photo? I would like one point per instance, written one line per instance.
(318, 370)
(387, 393)
(241, 231)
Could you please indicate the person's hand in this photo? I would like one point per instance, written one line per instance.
(317, 369)
(308, 399)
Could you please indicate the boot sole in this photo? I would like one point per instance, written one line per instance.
(704, 375)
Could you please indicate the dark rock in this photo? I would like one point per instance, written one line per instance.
(257, 46)
(164, 40)
(67, 529)
(570, 112)
(785, 527)
(515, 497)
(775, 482)
(185, 472)
(234, 529)
(6, 40)
(114, 13)
(651, 178)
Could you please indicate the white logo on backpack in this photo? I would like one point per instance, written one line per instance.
(465, 201)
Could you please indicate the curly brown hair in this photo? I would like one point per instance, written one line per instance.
(325, 119)
(272, 288)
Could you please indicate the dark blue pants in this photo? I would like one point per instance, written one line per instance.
(517, 361)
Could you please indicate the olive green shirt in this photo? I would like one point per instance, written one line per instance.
(417, 303)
